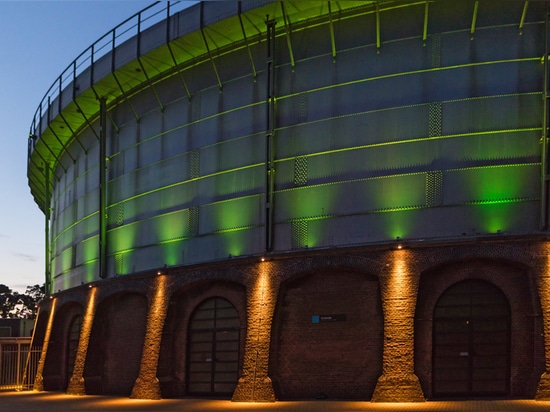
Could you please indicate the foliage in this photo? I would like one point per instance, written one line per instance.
(20, 305)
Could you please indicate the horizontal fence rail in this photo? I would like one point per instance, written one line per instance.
(18, 363)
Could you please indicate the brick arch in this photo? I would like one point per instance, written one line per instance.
(173, 354)
(55, 369)
(514, 280)
(338, 357)
(287, 270)
(517, 254)
(116, 344)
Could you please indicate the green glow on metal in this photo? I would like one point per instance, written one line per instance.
(409, 73)
(75, 125)
(494, 217)
(90, 269)
(66, 259)
(158, 189)
(74, 224)
(235, 213)
(497, 183)
(398, 225)
(236, 229)
(90, 249)
(502, 201)
(417, 140)
(228, 220)
(172, 225)
(122, 238)
(172, 252)
(195, 122)
(234, 242)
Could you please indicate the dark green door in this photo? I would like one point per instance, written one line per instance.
(471, 349)
(213, 354)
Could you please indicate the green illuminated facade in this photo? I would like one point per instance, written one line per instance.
(402, 120)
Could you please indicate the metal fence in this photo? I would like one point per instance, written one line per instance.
(18, 363)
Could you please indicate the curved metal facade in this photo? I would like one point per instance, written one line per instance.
(235, 130)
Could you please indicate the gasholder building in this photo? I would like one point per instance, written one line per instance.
(301, 199)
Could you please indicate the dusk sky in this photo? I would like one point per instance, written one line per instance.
(38, 40)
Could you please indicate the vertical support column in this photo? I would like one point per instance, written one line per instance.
(543, 286)
(147, 384)
(48, 282)
(399, 287)
(76, 383)
(545, 175)
(255, 385)
(270, 130)
(102, 188)
(39, 379)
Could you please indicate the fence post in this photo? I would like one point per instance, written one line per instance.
(18, 367)
(1, 366)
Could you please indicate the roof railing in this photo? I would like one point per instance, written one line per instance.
(132, 26)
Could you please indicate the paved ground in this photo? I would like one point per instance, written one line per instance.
(51, 401)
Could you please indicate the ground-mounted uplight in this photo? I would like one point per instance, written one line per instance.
(399, 245)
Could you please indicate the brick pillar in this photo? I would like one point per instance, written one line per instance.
(543, 285)
(76, 383)
(399, 287)
(39, 379)
(147, 384)
(254, 384)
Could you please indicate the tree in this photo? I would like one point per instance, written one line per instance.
(17, 305)
(6, 301)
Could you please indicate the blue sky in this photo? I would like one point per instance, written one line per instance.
(38, 40)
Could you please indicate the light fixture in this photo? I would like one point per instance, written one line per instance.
(399, 246)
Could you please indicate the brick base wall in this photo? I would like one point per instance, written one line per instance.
(297, 358)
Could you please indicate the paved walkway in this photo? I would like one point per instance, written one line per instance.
(52, 401)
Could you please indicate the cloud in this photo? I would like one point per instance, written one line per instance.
(28, 258)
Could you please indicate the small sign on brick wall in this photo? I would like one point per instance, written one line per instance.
(341, 317)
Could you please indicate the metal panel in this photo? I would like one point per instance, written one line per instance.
(235, 214)
(504, 112)
(241, 152)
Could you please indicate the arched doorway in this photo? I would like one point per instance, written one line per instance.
(213, 350)
(327, 336)
(471, 348)
(72, 345)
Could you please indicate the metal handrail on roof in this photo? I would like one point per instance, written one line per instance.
(129, 28)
